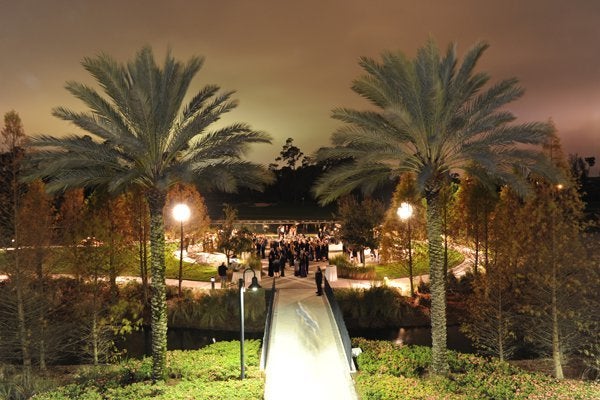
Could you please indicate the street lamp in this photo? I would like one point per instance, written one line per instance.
(181, 213)
(405, 212)
(254, 286)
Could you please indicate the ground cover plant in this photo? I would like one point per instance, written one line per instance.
(390, 372)
(205, 374)
(385, 372)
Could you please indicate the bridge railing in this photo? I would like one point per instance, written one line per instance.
(341, 325)
(268, 322)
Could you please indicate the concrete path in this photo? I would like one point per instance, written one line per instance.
(306, 359)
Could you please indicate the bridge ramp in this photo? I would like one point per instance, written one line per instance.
(306, 359)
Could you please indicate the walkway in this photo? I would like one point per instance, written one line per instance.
(306, 359)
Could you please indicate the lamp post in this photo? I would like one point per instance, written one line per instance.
(181, 213)
(405, 212)
(254, 286)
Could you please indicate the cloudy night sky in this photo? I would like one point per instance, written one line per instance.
(292, 62)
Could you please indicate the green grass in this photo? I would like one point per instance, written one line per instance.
(420, 264)
(191, 271)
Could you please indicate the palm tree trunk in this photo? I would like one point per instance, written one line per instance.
(158, 301)
(438, 285)
(445, 230)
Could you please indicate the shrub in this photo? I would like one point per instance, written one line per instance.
(376, 307)
(387, 371)
(381, 357)
(217, 310)
(210, 373)
(357, 272)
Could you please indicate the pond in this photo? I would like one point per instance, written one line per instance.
(138, 343)
(418, 335)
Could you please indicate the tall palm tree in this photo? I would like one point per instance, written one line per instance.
(431, 117)
(144, 137)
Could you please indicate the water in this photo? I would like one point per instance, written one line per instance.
(138, 343)
(420, 336)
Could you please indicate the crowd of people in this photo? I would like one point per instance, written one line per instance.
(292, 250)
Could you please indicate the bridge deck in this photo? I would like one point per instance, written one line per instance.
(306, 359)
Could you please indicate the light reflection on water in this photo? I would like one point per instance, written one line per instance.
(139, 343)
(420, 336)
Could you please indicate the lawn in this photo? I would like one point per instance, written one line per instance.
(420, 264)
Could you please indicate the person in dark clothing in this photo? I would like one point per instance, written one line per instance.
(222, 271)
(271, 270)
(319, 281)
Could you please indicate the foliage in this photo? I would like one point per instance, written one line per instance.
(230, 240)
(492, 319)
(360, 221)
(211, 373)
(475, 202)
(555, 278)
(290, 155)
(387, 371)
(144, 136)
(199, 221)
(357, 272)
(378, 307)
(217, 310)
(394, 231)
(348, 270)
(420, 263)
(433, 115)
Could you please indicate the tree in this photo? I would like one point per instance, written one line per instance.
(141, 216)
(143, 136)
(492, 309)
(199, 222)
(35, 227)
(475, 203)
(231, 240)
(293, 181)
(13, 137)
(552, 283)
(359, 221)
(433, 116)
(109, 223)
(289, 155)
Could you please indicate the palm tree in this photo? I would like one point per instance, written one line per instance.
(143, 137)
(432, 117)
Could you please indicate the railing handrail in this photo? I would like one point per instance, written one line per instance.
(341, 325)
(267, 335)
